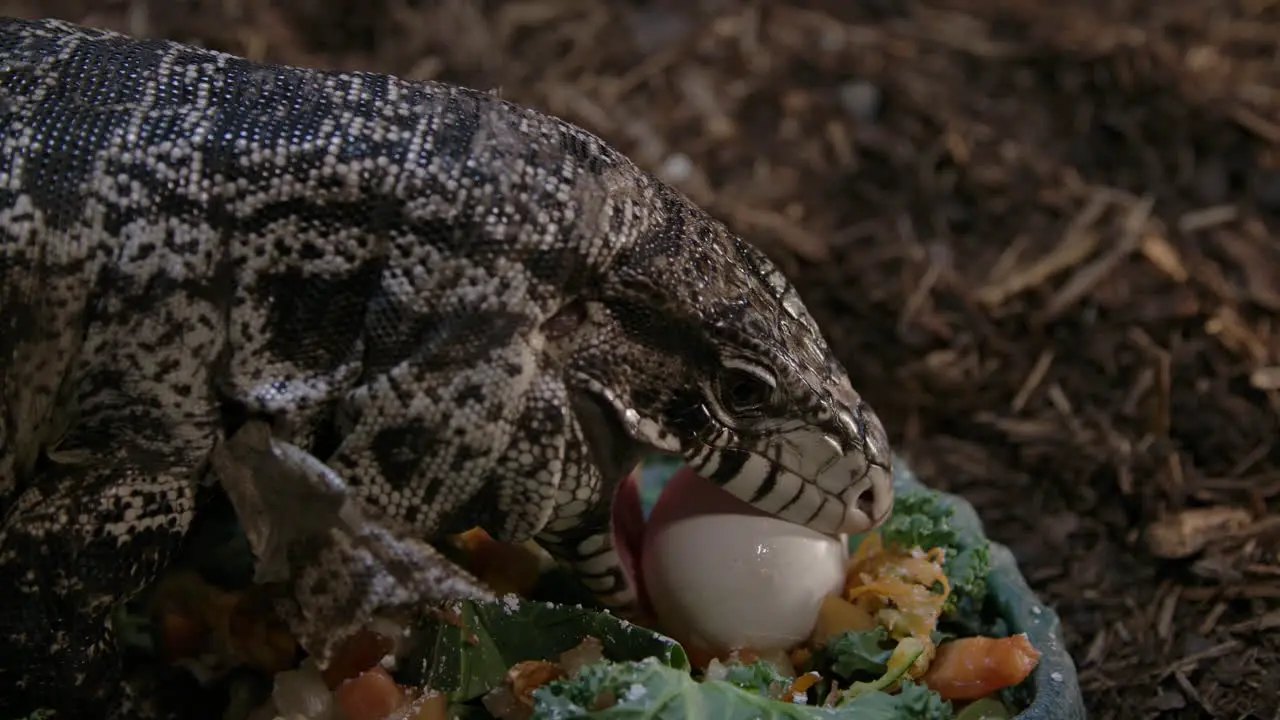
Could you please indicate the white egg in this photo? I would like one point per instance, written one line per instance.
(723, 575)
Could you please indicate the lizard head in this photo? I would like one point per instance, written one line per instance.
(703, 349)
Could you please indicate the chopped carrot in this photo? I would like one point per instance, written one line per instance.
(373, 695)
(896, 585)
(975, 667)
(801, 685)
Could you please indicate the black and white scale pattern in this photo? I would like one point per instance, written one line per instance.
(452, 311)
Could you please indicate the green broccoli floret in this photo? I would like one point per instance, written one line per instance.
(923, 520)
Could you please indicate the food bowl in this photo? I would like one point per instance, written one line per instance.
(1052, 692)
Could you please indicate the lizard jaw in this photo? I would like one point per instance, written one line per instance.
(806, 477)
(613, 450)
(807, 480)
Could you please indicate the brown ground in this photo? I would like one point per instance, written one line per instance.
(1042, 241)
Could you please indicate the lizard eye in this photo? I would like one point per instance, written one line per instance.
(742, 392)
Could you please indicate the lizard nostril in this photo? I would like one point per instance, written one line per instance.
(866, 502)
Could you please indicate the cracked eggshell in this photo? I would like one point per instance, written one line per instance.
(722, 575)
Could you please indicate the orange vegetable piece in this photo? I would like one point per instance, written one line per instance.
(372, 696)
(801, 685)
(525, 677)
(504, 567)
(358, 653)
(835, 616)
(183, 635)
(434, 707)
(974, 667)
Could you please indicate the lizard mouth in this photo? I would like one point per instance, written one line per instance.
(695, 495)
(627, 523)
(616, 454)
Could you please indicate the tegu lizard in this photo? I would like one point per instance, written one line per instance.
(447, 310)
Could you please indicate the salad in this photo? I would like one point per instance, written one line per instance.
(909, 635)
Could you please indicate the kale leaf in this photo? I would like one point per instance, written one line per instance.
(923, 520)
(864, 652)
(650, 689)
(759, 677)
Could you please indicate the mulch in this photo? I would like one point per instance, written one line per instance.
(1042, 239)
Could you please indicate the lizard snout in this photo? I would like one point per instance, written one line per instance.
(868, 502)
(807, 479)
(856, 491)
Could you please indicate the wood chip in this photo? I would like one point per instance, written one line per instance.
(1187, 532)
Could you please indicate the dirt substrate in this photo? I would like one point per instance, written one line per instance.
(1042, 240)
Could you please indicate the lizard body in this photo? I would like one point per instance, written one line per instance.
(450, 311)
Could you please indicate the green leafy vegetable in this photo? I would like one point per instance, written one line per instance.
(860, 652)
(759, 677)
(467, 657)
(912, 702)
(647, 675)
(919, 520)
(650, 689)
(923, 520)
(904, 656)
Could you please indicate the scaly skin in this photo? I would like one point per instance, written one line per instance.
(437, 309)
